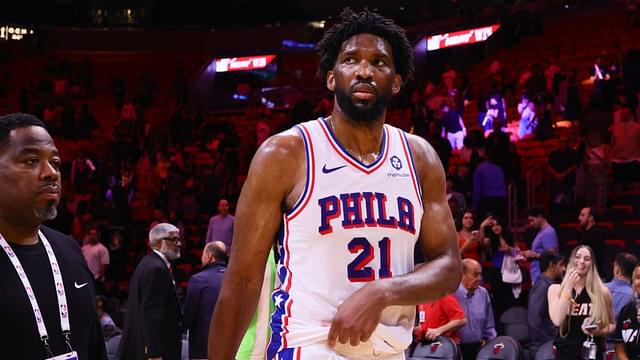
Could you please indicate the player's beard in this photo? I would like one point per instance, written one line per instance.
(48, 212)
(362, 113)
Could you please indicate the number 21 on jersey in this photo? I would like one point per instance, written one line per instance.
(358, 269)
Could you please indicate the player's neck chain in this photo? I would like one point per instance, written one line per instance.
(366, 159)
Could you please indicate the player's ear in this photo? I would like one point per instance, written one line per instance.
(397, 84)
(331, 81)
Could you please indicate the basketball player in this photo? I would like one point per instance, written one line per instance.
(346, 198)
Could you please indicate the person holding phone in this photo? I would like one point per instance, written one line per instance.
(628, 325)
(500, 243)
(581, 307)
(469, 238)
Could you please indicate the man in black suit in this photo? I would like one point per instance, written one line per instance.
(152, 324)
(47, 301)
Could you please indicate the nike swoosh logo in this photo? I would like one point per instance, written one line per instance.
(79, 286)
(330, 170)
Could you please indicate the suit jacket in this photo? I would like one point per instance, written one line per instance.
(202, 295)
(152, 324)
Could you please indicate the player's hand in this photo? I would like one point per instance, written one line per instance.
(358, 316)
(432, 334)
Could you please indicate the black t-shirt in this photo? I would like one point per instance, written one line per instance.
(19, 337)
(561, 160)
(595, 238)
(570, 338)
(628, 330)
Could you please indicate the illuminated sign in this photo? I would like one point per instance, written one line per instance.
(297, 45)
(463, 37)
(243, 63)
(10, 32)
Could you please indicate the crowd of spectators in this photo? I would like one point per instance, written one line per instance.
(188, 169)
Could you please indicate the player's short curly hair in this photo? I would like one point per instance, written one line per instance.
(365, 22)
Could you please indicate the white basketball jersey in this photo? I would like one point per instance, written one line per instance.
(354, 223)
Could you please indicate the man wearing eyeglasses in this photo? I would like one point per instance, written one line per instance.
(153, 321)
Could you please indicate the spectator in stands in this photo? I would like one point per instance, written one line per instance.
(544, 116)
(498, 239)
(490, 117)
(449, 77)
(441, 145)
(597, 119)
(562, 165)
(152, 324)
(96, 255)
(202, 295)
(570, 95)
(489, 189)
(469, 239)
(536, 83)
(528, 119)
(541, 329)
(452, 126)
(120, 196)
(476, 303)
(473, 150)
(497, 101)
(463, 181)
(595, 162)
(558, 78)
(625, 150)
(128, 113)
(628, 325)
(86, 123)
(592, 235)
(221, 225)
(441, 317)
(620, 286)
(454, 195)
(546, 239)
(580, 300)
(117, 258)
(499, 144)
(109, 328)
(600, 75)
(82, 169)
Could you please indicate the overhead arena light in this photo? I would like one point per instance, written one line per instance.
(317, 24)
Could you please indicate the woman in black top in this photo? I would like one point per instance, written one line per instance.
(581, 299)
(628, 325)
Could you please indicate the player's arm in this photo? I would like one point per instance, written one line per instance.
(274, 170)
(360, 313)
(438, 238)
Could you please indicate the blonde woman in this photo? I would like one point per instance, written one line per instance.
(628, 324)
(580, 306)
